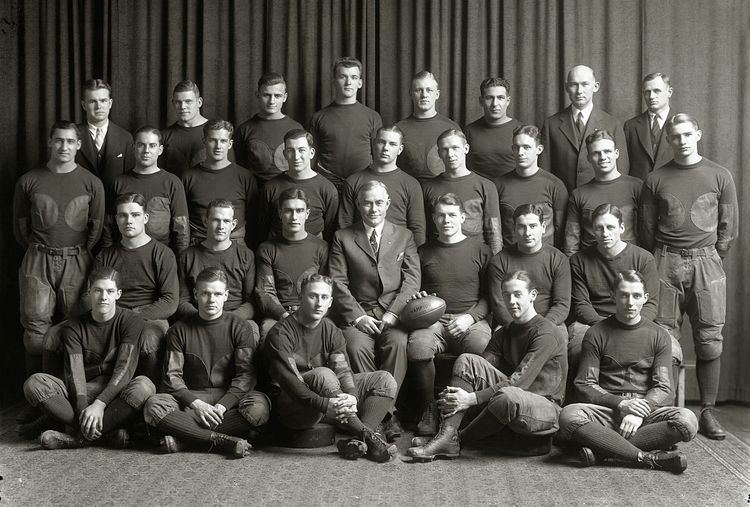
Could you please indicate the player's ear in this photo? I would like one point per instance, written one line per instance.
(234, 223)
(532, 294)
(118, 294)
(312, 152)
(145, 218)
(539, 149)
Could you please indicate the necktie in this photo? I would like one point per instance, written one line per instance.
(99, 139)
(655, 133)
(580, 125)
(374, 242)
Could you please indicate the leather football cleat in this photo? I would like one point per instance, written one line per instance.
(428, 423)
(351, 448)
(709, 427)
(52, 439)
(674, 462)
(234, 447)
(378, 449)
(445, 445)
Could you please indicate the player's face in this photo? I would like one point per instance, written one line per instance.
(603, 156)
(64, 144)
(103, 296)
(218, 143)
(629, 299)
(607, 230)
(495, 103)
(529, 231)
(448, 219)
(316, 300)
(526, 151)
(298, 154)
(346, 82)
(386, 147)
(131, 219)
(684, 139)
(294, 214)
(452, 151)
(656, 93)
(147, 149)
(518, 298)
(271, 98)
(373, 205)
(211, 297)
(186, 105)
(220, 223)
(424, 94)
(97, 104)
(581, 86)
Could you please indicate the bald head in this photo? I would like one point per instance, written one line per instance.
(581, 85)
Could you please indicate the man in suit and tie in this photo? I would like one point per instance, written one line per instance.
(563, 133)
(375, 270)
(106, 148)
(648, 148)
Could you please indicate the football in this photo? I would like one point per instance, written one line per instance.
(421, 313)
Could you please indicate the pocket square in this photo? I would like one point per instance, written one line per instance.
(119, 155)
(400, 256)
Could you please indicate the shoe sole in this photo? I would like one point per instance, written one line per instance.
(588, 459)
(683, 465)
(714, 436)
(433, 457)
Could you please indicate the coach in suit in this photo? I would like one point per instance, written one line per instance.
(563, 133)
(375, 269)
(106, 148)
(648, 148)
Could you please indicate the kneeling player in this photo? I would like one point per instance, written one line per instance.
(207, 395)
(518, 381)
(307, 356)
(99, 394)
(623, 378)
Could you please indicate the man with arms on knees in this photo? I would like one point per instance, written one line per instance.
(345, 128)
(99, 394)
(607, 186)
(453, 268)
(563, 133)
(107, 150)
(307, 357)
(206, 397)
(517, 382)
(375, 269)
(407, 206)
(421, 129)
(648, 147)
(478, 194)
(527, 183)
(623, 381)
(689, 219)
(491, 136)
(284, 261)
(259, 142)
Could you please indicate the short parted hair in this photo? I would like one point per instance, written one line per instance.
(104, 273)
(297, 134)
(270, 79)
(293, 193)
(95, 84)
(599, 135)
(315, 277)
(391, 128)
(369, 185)
(187, 86)
(452, 132)
(148, 129)
(630, 276)
(449, 199)
(529, 209)
(529, 130)
(607, 209)
(65, 125)
(129, 197)
(494, 81)
(520, 275)
(681, 118)
(218, 203)
(218, 125)
(211, 274)
(347, 62)
(656, 75)
(423, 74)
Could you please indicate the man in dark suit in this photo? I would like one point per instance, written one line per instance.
(106, 148)
(648, 148)
(563, 133)
(375, 269)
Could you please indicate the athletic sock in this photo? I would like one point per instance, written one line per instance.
(234, 424)
(423, 381)
(60, 409)
(117, 415)
(459, 382)
(482, 426)
(356, 426)
(182, 425)
(605, 442)
(373, 408)
(661, 435)
(708, 373)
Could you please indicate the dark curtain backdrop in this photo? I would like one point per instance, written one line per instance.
(144, 47)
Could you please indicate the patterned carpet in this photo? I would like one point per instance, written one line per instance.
(718, 474)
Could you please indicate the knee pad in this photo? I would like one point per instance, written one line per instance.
(323, 381)
(138, 391)
(571, 418)
(157, 407)
(464, 362)
(384, 384)
(41, 386)
(708, 351)
(255, 407)
(686, 423)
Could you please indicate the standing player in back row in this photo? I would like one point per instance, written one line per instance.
(183, 140)
(689, 218)
(345, 128)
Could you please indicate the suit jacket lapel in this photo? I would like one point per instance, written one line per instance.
(663, 151)
(644, 134)
(361, 239)
(386, 242)
(567, 127)
(87, 146)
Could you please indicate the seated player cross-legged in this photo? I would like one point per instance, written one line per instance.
(307, 357)
(518, 381)
(206, 396)
(623, 381)
(99, 394)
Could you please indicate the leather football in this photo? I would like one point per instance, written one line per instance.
(421, 313)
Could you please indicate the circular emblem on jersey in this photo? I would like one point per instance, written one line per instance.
(705, 212)
(628, 219)
(279, 160)
(671, 212)
(260, 153)
(159, 216)
(434, 164)
(77, 213)
(474, 214)
(44, 212)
